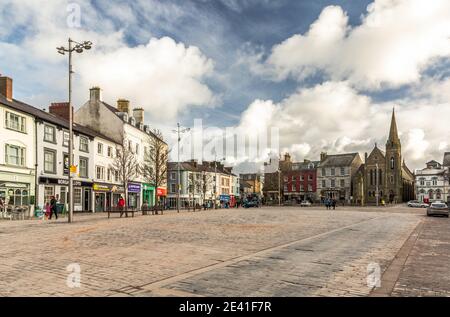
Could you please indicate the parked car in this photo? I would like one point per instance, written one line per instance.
(413, 203)
(251, 203)
(424, 205)
(438, 208)
(305, 203)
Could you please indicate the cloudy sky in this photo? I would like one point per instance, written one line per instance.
(325, 73)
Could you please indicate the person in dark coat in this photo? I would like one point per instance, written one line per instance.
(53, 208)
(333, 203)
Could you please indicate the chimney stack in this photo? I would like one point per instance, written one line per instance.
(6, 87)
(60, 109)
(323, 156)
(138, 114)
(95, 94)
(123, 105)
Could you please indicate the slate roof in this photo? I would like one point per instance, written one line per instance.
(339, 160)
(116, 112)
(49, 117)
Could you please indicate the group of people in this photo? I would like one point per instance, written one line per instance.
(330, 203)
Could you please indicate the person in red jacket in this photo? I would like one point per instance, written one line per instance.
(121, 202)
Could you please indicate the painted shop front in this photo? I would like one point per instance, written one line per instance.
(134, 193)
(59, 187)
(16, 193)
(162, 196)
(106, 196)
(148, 194)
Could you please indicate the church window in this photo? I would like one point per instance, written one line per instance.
(392, 163)
(392, 179)
(380, 176)
(371, 177)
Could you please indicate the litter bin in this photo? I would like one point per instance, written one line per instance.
(39, 213)
(61, 209)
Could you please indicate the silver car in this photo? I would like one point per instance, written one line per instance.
(438, 208)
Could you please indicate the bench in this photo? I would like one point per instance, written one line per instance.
(154, 210)
(121, 210)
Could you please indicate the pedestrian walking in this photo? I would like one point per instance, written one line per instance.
(48, 210)
(53, 208)
(334, 204)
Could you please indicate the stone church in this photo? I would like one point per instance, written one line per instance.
(384, 174)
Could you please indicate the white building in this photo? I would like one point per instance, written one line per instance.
(17, 150)
(107, 187)
(432, 183)
(117, 123)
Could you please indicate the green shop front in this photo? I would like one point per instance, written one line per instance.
(17, 189)
(148, 194)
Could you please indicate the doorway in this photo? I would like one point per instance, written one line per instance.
(99, 202)
(86, 199)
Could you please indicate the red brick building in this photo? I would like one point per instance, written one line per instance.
(300, 183)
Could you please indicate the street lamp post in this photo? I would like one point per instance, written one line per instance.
(79, 48)
(279, 186)
(179, 131)
(376, 182)
(215, 178)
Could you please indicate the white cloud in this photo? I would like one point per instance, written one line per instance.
(336, 118)
(395, 42)
(166, 78)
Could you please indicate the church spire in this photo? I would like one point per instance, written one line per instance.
(393, 134)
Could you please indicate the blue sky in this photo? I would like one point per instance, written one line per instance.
(325, 73)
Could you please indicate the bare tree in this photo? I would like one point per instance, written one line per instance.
(156, 155)
(125, 163)
(207, 185)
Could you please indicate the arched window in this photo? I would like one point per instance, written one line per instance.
(438, 194)
(371, 177)
(430, 194)
(392, 163)
(380, 177)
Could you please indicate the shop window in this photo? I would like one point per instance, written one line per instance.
(77, 196)
(49, 192)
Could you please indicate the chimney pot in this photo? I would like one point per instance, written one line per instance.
(60, 109)
(138, 114)
(95, 94)
(6, 87)
(123, 105)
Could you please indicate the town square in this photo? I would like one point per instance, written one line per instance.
(224, 148)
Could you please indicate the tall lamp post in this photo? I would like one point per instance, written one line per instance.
(179, 130)
(79, 48)
(215, 177)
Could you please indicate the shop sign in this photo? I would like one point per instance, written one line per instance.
(116, 188)
(101, 188)
(148, 187)
(224, 198)
(134, 188)
(161, 192)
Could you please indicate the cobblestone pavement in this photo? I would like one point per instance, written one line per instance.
(427, 268)
(285, 251)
